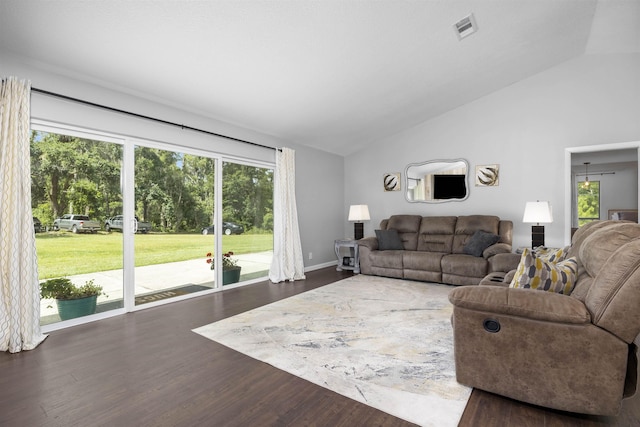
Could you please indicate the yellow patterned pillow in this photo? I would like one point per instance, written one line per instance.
(537, 273)
(551, 254)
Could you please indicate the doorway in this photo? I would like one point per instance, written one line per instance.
(615, 166)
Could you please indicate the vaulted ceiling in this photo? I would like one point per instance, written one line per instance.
(335, 75)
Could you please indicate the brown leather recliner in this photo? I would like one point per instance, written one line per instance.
(574, 353)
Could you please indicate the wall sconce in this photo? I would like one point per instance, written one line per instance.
(358, 213)
(537, 212)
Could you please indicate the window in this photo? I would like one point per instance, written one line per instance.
(150, 217)
(588, 201)
(75, 180)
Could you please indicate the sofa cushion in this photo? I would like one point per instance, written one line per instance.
(388, 272)
(436, 233)
(422, 275)
(536, 273)
(386, 259)
(408, 227)
(464, 265)
(614, 297)
(598, 247)
(389, 240)
(467, 225)
(613, 254)
(480, 241)
(471, 223)
(418, 260)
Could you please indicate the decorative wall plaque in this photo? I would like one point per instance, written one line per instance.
(391, 181)
(487, 175)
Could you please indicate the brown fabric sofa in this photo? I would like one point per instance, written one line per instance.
(569, 352)
(434, 249)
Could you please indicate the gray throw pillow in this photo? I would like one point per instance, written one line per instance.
(389, 240)
(480, 241)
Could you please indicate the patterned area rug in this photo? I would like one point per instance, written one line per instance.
(384, 342)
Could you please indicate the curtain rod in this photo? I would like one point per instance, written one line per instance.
(141, 116)
(596, 173)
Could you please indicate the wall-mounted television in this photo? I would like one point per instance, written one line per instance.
(449, 187)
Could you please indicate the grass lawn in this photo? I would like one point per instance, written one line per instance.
(65, 254)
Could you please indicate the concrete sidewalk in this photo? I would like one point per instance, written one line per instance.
(154, 278)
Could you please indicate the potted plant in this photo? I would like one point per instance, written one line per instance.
(230, 268)
(72, 301)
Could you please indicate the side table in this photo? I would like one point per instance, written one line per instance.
(347, 253)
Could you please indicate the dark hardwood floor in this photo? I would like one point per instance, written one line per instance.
(148, 369)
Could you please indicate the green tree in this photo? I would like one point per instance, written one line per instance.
(588, 202)
(199, 175)
(52, 164)
(173, 191)
(70, 173)
(247, 195)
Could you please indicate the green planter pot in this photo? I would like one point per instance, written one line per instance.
(72, 308)
(231, 275)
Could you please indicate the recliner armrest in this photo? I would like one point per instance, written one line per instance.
(369, 242)
(527, 303)
(504, 262)
(497, 248)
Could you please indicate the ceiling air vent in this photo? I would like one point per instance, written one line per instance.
(466, 26)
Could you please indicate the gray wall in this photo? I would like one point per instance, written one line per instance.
(319, 175)
(320, 197)
(525, 128)
(619, 191)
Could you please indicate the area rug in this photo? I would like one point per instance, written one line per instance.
(384, 342)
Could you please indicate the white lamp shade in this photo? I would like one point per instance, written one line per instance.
(359, 213)
(537, 212)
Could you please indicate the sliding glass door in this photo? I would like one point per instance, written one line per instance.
(247, 221)
(174, 205)
(145, 222)
(75, 187)
(175, 200)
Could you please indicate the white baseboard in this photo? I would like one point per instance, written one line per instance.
(319, 266)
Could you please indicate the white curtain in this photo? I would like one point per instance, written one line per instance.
(19, 289)
(287, 263)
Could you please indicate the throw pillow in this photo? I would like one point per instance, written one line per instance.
(480, 241)
(551, 254)
(389, 240)
(534, 272)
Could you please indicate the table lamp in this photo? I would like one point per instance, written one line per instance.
(537, 212)
(358, 213)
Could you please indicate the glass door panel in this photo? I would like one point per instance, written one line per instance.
(247, 221)
(75, 187)
(174, 205)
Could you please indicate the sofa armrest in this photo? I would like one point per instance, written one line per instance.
(369, 242)
(526, 303)
(498, 248)
(509, 276)
(504, 262)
